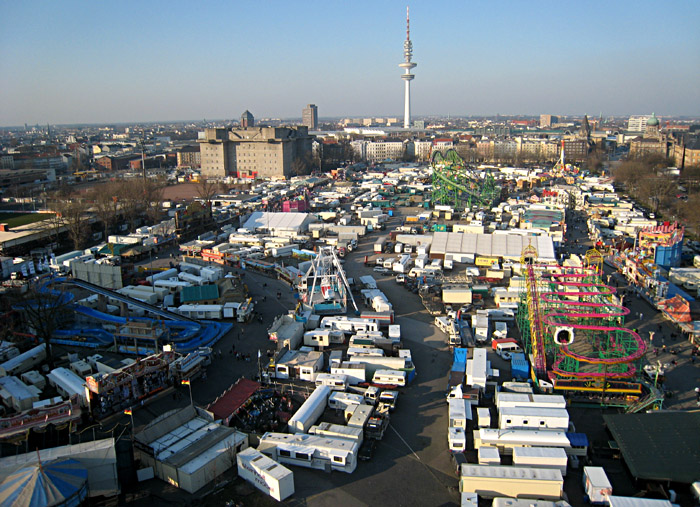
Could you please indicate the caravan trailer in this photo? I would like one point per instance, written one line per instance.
(311, 451)
(339, 400)
(310, 410)
(335, 382)
(389, 377)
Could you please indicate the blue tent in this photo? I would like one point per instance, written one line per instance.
(61, 482)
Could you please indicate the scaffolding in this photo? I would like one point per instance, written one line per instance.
(456, 185)
(573, 328)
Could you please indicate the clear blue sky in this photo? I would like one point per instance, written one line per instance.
(128, 61)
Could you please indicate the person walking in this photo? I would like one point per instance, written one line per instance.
(641, 316)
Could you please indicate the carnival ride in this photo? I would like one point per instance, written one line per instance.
(99, 329)
(573, 327)
(324, 287)
(457, 185)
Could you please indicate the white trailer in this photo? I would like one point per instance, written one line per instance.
(477, 369)
(488, 456)
(173, 286)
(480, 324)
(483, 416)
(214, 312)
(459, 412)
(338, 431)
(353, 352)
(323, 337)
(529, 400)
(335, 382)
(265, 474)
(310, 410)
(17, 394)
(535, 418)
(505, 441)
(403, 265)
(339, 400)
(379, 245)
(162, 275)
(358, 415)
(421, 261)
(389, 377)
(375, 363)
(23, 362)
(395, 333)
(489, 481)
(312, 451)
(68, 384)
(356, 373)
(541, 457)
(596, 484)
(456, 439)
(350, 324)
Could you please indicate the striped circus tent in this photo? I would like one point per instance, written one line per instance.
(61, 482)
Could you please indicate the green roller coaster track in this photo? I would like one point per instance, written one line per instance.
(458, 186)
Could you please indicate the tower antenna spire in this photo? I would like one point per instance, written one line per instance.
(407, 77)
(408, 25)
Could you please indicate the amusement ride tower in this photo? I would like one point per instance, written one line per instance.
(407, 77)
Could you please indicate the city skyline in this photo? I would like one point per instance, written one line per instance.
(78, 62)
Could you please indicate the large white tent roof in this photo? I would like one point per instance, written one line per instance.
(267, 220)
(508, 246)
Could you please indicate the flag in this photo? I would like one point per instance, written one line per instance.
(127, 411)
(185, 382)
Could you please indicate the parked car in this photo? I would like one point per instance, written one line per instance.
(458, 459)
(382, 270)
(400, 278)
(367, 449)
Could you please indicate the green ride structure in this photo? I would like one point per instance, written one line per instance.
(457, 185)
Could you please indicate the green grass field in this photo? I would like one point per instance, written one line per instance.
(18, 219)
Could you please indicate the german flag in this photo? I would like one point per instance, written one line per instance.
(185, 382)
(127, 411)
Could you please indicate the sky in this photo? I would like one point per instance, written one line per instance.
(135, 61)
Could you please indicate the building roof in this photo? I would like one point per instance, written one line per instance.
(286, 221)
(659, 446)
(199, 293)
(509, 246)
(228, 403)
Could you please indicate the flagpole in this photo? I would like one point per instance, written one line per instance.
(189, 384)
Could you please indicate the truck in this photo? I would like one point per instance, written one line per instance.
(377, 424)
(387, 400)
(285, 330)
(379, 245)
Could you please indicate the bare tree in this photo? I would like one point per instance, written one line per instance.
(300, 166)
(43, 312)
(206, 189)
(105, 199)
(71, 214)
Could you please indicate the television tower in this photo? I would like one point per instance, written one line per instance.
(407, 76)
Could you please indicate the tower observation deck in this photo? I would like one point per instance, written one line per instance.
(407, 77)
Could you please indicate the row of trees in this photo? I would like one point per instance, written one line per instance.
(112, 203)
(675, 197)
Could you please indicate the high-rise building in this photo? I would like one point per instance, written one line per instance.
(264, 152)
(309, 116)
(247, 120)
(407, 77)
(637, 123)
(546, 120)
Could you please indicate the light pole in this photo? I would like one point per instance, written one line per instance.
(186, 382)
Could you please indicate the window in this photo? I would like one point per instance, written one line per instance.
(338, 459)
(525, 422)
(541, 423)
(283, 452)
(302, 455)
(507, 421)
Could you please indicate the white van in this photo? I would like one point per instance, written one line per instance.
(335, 382)
(505, 350)
(390, 377)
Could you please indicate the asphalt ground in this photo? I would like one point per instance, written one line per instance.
(411, 464)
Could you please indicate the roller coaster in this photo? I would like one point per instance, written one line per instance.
(99, 329)
(456, 185)
(574, 329)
